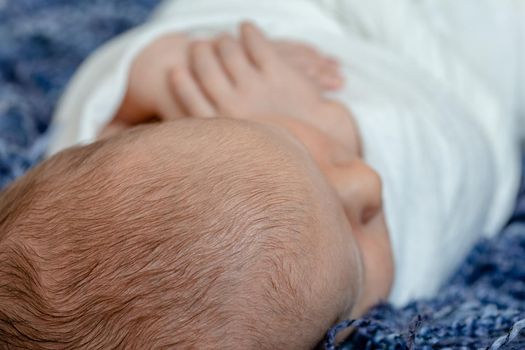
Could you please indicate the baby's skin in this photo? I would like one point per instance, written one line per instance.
(248, 79)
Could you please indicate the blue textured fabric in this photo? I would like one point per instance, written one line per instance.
(41, 44)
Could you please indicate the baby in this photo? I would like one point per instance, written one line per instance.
(160, 237)
(264, 230)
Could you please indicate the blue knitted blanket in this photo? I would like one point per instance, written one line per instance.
(43, 42)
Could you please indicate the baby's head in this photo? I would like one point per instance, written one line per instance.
(190, 234)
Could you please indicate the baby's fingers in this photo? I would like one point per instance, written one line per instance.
(259, 49)
(234, 60)
(329, 77)
(210, 74)
(188, 93)
(322, 69)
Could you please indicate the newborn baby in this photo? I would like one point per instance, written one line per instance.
(277, 223)
(205, 233)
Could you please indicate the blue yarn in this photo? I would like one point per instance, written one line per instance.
(42, 43)
(513, 334)
(329, 342)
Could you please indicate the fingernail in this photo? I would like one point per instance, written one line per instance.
(332, 62)
(333, 82)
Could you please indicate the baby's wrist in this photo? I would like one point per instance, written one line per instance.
(132, 109)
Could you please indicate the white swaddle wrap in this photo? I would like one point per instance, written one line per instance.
(438, 125)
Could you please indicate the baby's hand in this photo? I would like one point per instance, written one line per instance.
(149, 97)
(243, 78)
(321, 69)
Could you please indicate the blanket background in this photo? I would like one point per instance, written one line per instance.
(41, 45)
